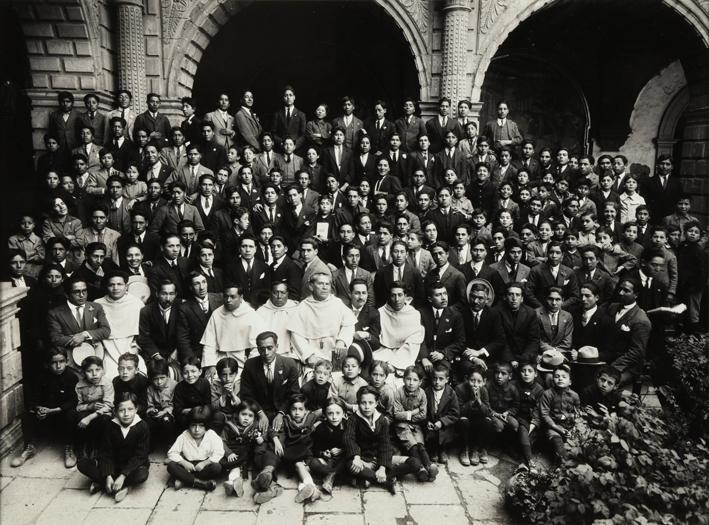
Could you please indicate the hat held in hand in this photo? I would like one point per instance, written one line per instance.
(588, 355)
(550, 360)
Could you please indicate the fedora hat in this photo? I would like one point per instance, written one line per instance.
(486, 284)
(588, 355)
(138, 287)
(550, 360)
(84, 350)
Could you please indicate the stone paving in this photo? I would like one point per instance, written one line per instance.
(43, 492)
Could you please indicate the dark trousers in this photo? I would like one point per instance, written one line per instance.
(211, 471)
(325, 466)
(59, 426)
(90, 468)
(472, 430)
(162, 430)
(90, 436)
(410, 466)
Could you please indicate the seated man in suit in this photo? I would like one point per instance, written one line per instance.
(169, 265)
(443, 325)
(343, 277)
(556, 325)
(276, 314)
(250, 273)
(452, 279)
(592, 326)
(398, 271)
(149, 242)
(552, 273)
(94, 268)
(166, 218)
(231, 331)
(78, 321)
(520, 326)
(284, 269)
(367, 328)
(157, 334)
(269, 379)
(628, 337)
(484, 338)
(193, 315)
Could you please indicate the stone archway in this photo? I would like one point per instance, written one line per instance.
(669, 131)
(187, 32)
(497, 22)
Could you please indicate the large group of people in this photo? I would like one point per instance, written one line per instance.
(350, 300)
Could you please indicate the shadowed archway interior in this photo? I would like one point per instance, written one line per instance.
(323, 49)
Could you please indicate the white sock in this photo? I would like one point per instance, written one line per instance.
(234, 473)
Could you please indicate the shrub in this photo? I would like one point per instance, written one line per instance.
(623, 470)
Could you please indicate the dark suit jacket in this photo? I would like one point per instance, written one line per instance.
(521, 333)
(127, 152)
(191, 322)
(257, 288)
(446, 224)
(329, 164)
(366, 171)
(150, 246)
(390, 185)
(62, 324)
(162, 270)
(627, 339)
(368, 320)
(602, 279)
(271, 398)
(458, 163)
(449, 338)
(399, 169)
(489, 334)
(452, 279)
(596, 330)
(412, 282)
(292, 274)
(534, 169)
(248, 129)
(145, 208)
(66, 132)
(156, 337)
(192, 130)
(294, 129)
(160, 123)
(166, 219)
(661, 201)
(213, 155)
(410, 132)
(293, 226)
(342, 288)
(209, 221)
(429, 167)
(437, 134)
(379, 138)
(540, 279)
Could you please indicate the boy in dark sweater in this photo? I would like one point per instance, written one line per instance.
(123, 453)
(53, 407)
(129, 380)
(603, 396)
(368, 449)
(530, 390)
(504, 402)
(191, 392)
(316, 390)
(443, 412)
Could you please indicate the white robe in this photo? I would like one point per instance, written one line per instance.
(277, 319)
(123, 316)
(231, 334)
(401, 336)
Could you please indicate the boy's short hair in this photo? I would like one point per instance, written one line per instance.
(611, 372)
(591, 287)
(91, 360)
(247, 404)
(502, 365)
(475, 369)
(57, 350)
(692, 224)
(563, 368)
(323, 363)
(442, 367)
(200, 414)
(122, 397)
(129, 357)
(381, 364)
(158, 367)
(527, 362)
(296, 398)
(227, 362)
(192, 360)
(367, 389)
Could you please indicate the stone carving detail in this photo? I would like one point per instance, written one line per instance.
(490, 10)
(131, 52)
(173, 12)
(418, 10)
(454, 53)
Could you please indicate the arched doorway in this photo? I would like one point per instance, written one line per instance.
(609, 49)
(533, 85)
(323, 49)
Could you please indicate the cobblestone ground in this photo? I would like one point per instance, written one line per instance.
(43, 492)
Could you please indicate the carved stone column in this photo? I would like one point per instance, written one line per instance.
(131, 51)
(454, 83)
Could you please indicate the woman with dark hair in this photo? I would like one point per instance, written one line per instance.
(319, 130)
(59, 223)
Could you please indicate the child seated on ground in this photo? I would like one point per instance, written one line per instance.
(328, 444)
(95, 395)
(159, 413)
(443, 413)
(346, 386)
(474, 408)
(225, 392)
(409, 421)
(504, 402)
(242, 438)
(123, 454)
(603, 396)
(129, 380)
(52, 407)
(193, 391)
(529, 393)
(558, 407)
(378, 373)
(368, 449)
(195, 455)
(292, 445)
(317, 388)
(692, 268)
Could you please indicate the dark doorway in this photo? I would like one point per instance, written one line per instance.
(323, 49)
(610, 49)
(16, 166)
(532, 87)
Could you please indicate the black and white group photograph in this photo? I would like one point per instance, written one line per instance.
(354, 262)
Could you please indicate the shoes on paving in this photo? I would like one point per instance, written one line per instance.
(28, 452)
(483, 456)
(263, 480)
(443, 458)
(474, 458)
(464, 457)
(121, 495)
(305, 493)
(94, 488)
(432, 471)
(267, 495)
(178, 484)
(69, 457)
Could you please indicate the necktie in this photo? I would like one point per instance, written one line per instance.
(382, 253)
(268, 158)
(445, 121)
(379, 124)
(207, 203)
(269, 374)
(205, 306)
(79, 317)
(166, 316)
(396, 157)
(437, 317)
(475, 271)
(270, 215)
(115, 142)
(123, 113)
(588, 276)
(338, 155)
(249, 268)
(287, 115)
(498, 256)
(179, 212)
(194, 171)
(554, 324)
(584, 320)
(476, 320)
